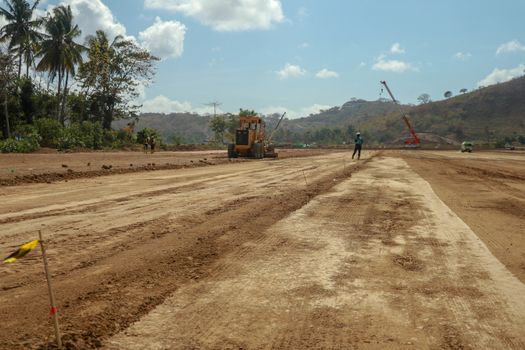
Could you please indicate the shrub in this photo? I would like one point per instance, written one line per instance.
(81, 135)
(49, 130)
(24, 145)
(25, 140)
(142, 134)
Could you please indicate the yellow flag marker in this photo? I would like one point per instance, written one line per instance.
(22, 251)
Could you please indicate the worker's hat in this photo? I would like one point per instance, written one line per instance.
(358, 133)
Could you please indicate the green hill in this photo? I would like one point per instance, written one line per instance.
(186, 128)
(494, 113)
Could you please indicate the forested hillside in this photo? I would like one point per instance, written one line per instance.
(492, 114)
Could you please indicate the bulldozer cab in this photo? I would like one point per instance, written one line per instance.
(250, 131)
(250, 139)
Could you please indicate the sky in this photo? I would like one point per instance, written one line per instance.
(301, 56)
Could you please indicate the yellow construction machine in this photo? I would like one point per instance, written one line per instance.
(250, 139)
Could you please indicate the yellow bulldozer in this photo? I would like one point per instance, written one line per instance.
(250, 139)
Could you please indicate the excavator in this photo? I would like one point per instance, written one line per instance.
(250, 139)
(414, 141)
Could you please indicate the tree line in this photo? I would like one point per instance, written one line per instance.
(224, 126)
(53, 87)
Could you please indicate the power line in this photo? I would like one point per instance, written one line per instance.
(214, 104)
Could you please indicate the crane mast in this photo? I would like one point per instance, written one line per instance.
(415, 141)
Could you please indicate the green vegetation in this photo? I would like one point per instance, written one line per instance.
(109, 75)
(218, 125)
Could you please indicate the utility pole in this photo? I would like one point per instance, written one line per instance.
(214, 104)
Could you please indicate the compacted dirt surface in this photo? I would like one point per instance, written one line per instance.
(17, 169)
(487, 190)
(316, 251)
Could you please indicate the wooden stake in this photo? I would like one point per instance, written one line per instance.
(305, 178)
(54, 310)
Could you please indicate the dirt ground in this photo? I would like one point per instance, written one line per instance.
(18, 169)
(400, 250)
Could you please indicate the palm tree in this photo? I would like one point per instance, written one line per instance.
(96, 72)
(21, 30)
(60, 53)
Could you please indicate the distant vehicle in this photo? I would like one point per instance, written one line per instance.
(251, 140)
(467, 146)
(509, 147)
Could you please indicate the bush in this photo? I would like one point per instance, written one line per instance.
(25, 140)
(50, 131)
(81, 135)
(144, 133)
(12, 145)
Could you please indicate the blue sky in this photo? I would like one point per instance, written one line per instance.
(301, 56)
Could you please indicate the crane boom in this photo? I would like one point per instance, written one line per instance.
(276, 127)
(389, 92)
(415, 141)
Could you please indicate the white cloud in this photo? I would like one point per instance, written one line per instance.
(294, 114)
(362, 64)
(383, 64)
(462, 56)
(164, 39)
(502, 75)
(304, 46)
(162, 104)
(511, 46)
(226, 15)
(326, 74)
(92, 15)
(314, 109)
(397, 49)
(302, 13)
(291, 71)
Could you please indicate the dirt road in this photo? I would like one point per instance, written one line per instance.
(314, 252)
(487, 191)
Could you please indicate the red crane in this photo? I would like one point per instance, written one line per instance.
(410, 142)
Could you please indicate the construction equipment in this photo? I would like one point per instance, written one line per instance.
(414, 141)
(250, 139)
(467, 146)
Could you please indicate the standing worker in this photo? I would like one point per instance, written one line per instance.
(152, 144)
(358, 145)
(146, 144)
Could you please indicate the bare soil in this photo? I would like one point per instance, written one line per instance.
(487, 191)
(18, 169)
(309, 251)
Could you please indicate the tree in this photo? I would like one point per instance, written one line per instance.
(26, 99)
(232, 124)
(350, 133)
(424, 98)
(448, 94)
(21, 30)
(247, 112)
(112, 75)
(60, 53)
(7, 76)
(463, 91)
(218, 126)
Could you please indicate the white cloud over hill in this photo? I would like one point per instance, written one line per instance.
(502, 75)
